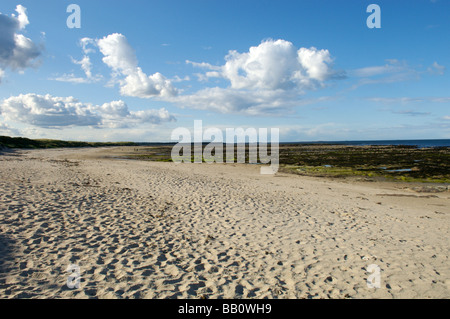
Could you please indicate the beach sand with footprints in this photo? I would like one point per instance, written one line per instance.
(139, 229)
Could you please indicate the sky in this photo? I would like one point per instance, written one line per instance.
(136, 70)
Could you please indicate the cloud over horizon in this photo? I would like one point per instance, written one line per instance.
(48, 111)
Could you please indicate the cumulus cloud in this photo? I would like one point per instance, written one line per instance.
(22, 16)
(121, 58)
(118, 54)
(17, 52)
(116, 115)
(138, 84)
(269, 77)
(50, 111)
(273, 65)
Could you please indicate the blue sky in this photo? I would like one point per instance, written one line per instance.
(136, 70)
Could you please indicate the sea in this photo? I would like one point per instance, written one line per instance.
(418, 143)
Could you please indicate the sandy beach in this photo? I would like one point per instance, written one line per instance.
(139, 229)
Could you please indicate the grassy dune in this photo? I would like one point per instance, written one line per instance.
(21, 142)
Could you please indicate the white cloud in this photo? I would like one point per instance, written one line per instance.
(393, 71)
(203, 65)
(250, 102)
(84, 63)
(84, 42)
(316, 63)
(408, 100)
(86, 66)
(392, 67)
(72, 78)
(178, 79)
(273, 65)
(435, 68)
(22, 17)
(138, 84)
(373, 71)
(114, 110)
(50, 111)
(118, 54)
(267, 78)
(7, 130)
(121, 58)
(17, 52)
(116, 115)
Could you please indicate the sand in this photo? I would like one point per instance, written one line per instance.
(143, 229)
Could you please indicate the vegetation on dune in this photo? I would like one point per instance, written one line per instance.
(22, 142)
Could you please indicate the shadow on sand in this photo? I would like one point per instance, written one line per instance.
(8, 151)
(7, 245)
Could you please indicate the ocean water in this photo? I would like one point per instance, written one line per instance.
(418, 143)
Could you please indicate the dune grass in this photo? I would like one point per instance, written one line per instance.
(22, 142)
